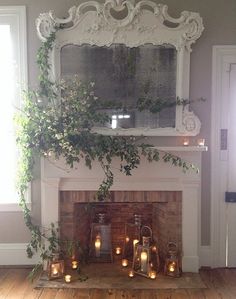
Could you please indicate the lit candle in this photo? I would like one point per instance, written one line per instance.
(144, 261)
(135, 241)
(127, 239)
(154, 248)
(131, 273)
(153, 274)
(186, 142)
(97, 246)
(201, 142)
(171, 267)
(74, 265)
(54, 270)
(67, 278)
(118, 250)
(124, 262)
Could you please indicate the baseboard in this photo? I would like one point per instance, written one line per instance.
(205, 256)
(15, 254)
(190, 264)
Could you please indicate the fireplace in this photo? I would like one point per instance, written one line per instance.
(159, 210)
(171, 200)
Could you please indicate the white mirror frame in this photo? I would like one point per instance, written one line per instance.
(145, 22)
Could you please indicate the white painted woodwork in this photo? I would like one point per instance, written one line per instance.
(223, 244)
(161, 176)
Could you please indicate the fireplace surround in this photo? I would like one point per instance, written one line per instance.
(151, 180)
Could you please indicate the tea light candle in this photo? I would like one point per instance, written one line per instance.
(186, 142)
(154, 248)
(74, 265)
(126, 239)
(153, 274)
(67, 278)
(144, 261)
(118, 250)
(124, 262)
(201, 142)
(131, 273)
(97, 247)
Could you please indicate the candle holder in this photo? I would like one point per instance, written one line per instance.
(153, 274)
(67, 278)
(74, 265)
(146, 258)
(201, 142)
(100, 249)
(118, 250)
(172, 261)
(132, 233)
(186, 141)
(55, 267)
(124, 262)
(131, 274)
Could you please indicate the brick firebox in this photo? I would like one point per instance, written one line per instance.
(162, 210)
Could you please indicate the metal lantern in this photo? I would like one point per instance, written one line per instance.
(145, 259)
(55, 267)
(100, 240)
(132, 236)
(172, 262)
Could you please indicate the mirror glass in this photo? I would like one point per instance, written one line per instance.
(125, 75)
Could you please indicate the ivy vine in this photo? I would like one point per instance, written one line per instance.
(57, 119)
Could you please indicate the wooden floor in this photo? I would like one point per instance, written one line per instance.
(221, 283)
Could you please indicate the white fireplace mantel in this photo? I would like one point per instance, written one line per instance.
(56, 176)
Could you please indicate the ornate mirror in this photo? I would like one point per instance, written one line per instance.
(133, 53)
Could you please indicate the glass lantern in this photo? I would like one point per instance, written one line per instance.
(172, 262)
(55, 267)
(132, 236)
(100, 240)
(145, 259)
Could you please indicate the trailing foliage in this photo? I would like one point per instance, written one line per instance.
(58, 120)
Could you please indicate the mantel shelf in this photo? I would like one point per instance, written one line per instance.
(182, 148)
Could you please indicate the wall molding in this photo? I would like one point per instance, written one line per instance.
(14, 254)
(222, 57)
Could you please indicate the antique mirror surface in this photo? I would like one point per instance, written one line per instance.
(130, 52)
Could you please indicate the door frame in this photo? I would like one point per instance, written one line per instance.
(223, 57)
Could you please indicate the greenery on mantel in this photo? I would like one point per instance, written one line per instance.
(57, 120)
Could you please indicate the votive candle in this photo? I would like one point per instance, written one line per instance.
(118, 250)
(124, 262)
(74, 265)
(68, 278)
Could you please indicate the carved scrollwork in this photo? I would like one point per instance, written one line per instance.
(191, 122)
(189, 25)
(45, 25)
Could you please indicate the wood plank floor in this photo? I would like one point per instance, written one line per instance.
(221, 283)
